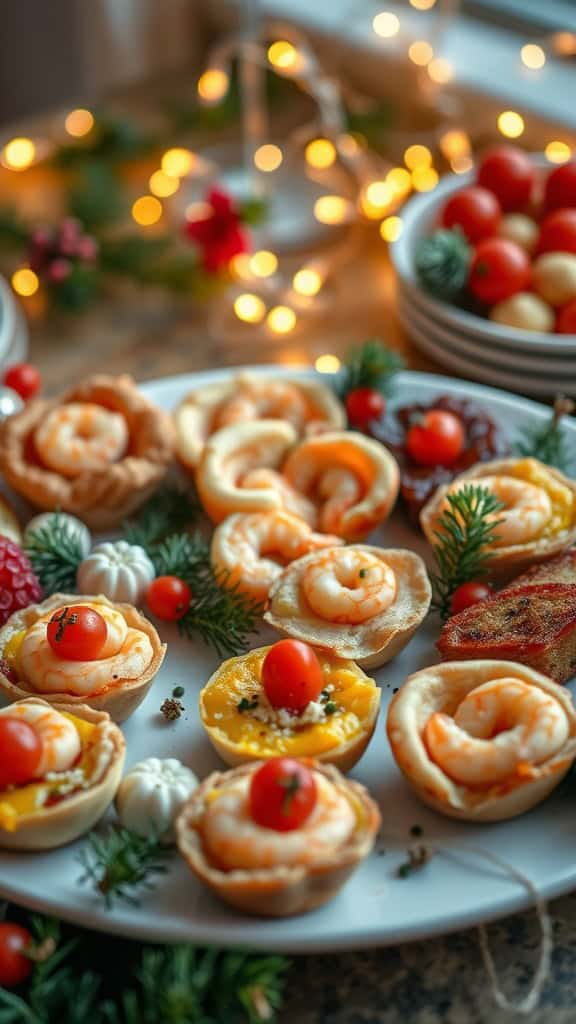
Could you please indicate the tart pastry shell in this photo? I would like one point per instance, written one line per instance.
(369, 644)
(101, 498)
(279, 891)
(506, 562)
(119, 700)
(76, 814)
(441, 688)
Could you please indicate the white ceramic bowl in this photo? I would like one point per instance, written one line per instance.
(13, 329)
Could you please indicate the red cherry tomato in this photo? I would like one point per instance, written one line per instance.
(363, 405)
(476, 211)
(560, 187)
(20, 751)
(77, 633)
(566, 321)
(510, 174)
(292, 675)
(15, 967)
(499, 269)
(558, 232)
(168, 598)
(468, 594)
(437, 440)
(23, 378)
(282, 794)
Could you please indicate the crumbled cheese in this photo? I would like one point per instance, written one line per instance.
(218, 715)
(68, 781)
(284, 721)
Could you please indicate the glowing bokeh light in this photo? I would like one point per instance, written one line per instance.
(420, 53)
(533, 56)
(386, 25)
(281, 319)
(79, 122)
(307, 281)
(161, 184)
(263, 263)
(417, 156)
(268, 157)
(25, 282)
(177, 162)
(331, 209)
(213, 85)
(558, 152)
(424, 179)
(147, 210)
(320, 153)
(391, 228)
(510, 124)
(440, 70)
(18, 154)
(249, 308)
(327, 363)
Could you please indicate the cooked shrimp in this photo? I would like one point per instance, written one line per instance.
(527, 508)
(61, 743)
(340, 490)
(238, 842)
(348, 585)
(263, 398)
(289, 498)
(253, 547)
(496, 729)
(80, 437)
(126, 654)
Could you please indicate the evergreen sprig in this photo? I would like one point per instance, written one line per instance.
(120, 861)
(548, 442)
(170, 510)
(370, 365)
(55, 554)
(463, 533)
(443, 263)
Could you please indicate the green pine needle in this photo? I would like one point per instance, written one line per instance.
(464, 531)
(371, 365)
(167, 512)
(442, 263)
(120, 861)
(548, 442)
(55, 555)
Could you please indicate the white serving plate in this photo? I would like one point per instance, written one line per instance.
(454, 891)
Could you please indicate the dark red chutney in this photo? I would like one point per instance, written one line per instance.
(418, 483)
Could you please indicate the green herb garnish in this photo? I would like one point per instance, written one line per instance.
(55, 554)
(121, 861)
(371, 365)
(549, 442)
(442, 263)
(247, 705)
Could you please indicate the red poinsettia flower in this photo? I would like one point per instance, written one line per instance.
(218, 232)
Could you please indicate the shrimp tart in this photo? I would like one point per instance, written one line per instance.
(79, 756)
(538, 518)
(335, 725)
(307, 405)
(115, 680)
(99, 451)
(360, 602)
(231, 835)
(482, 740)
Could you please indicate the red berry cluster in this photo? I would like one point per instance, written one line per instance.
(19, 587)
(55, 252)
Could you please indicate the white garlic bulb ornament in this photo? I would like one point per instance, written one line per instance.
(117, 569)
(152, 794)
(10, 402)
(74, 528)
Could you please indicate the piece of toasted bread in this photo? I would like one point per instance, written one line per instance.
(558, 570)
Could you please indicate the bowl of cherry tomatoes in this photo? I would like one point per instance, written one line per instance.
(486, 268)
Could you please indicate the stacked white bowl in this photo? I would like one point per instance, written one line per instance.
(529, 362)
(13, 329)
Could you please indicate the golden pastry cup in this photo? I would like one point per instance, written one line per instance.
(369, 644)
(344, 755)
(507, 562)
(119, 700)
(279, 891)
(195, 414)
(77, 813)
(101, 498)
(441, 688)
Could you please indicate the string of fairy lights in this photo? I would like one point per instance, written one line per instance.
(262, 293)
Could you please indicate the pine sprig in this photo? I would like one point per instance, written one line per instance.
(121, 861)
(182, 555)
(549, 442)
(371, 365)
(463, 533)
(55, 555)
(167, 512)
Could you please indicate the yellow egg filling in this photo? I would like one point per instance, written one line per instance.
(240, 678)
(12, 649)
(561, 497)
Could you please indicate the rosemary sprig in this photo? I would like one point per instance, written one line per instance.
(55, 555)
(371, 365)
(463, 532)
(121, 861)
(168, 511)
(182, 555)
(549, 442)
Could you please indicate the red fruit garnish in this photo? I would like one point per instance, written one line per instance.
(20, 751)
(499, 269)
(566, 321)
(77, 633)
(15, 967)
(560, 188)
(468, 594)
(476, 211)
(510, 174)
(24, 379)
(282, 794)
(292, 675)
(19, 587)
(363, 406)
(558, 232)
(437, 439)
(168, 598)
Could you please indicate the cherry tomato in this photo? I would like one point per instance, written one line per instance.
(20, 751)
(437, 439)
(566, 321)
(292, 675)
(468, 594)
(558, 232)
(23, 378)
(499, 269)
(363, 405)
(476, 211)
(560, 187)
(510, 174)
(168, 598)
(282, 794)
(15, 967)
(77, 633)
